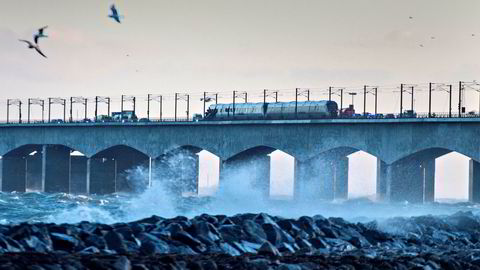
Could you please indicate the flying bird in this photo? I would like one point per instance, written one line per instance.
(114, 14)
(40, 34)
(207, 99)
(421, 45)
(432, 37)
(410, 17)
(33, 46)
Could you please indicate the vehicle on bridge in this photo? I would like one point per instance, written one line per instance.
(124, 116)
(273, 111)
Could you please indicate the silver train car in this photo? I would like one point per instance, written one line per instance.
(272, 111)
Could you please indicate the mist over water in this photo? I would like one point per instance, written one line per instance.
(237, 194)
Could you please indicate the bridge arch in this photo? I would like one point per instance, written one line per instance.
(118, 168)
(43, 167)
(418, 171)
(186, 170)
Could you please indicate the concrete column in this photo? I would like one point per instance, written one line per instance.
(474, 181)
(78, 174)
(14, 174)
(381, 180)
(341, 178)
(406, 181)
(129, 180)
(102, 176)
(429, 180)
(324, 172)
(56, 165)
(254, 166)
(34, 172)
(305, 188)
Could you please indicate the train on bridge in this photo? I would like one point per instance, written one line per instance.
(273, 111)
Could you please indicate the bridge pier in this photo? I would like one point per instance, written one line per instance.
(127, 179)
(178, 171)
(383, 173)
(411, 179)
(324, 177)
(474, 181)
(56, 168)
(13, 173)
(255, 166)
(78, 174)
(34, 167)
(101, 175)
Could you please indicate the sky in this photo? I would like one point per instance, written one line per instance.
(163, 47)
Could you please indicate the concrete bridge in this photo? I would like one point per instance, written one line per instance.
(39, 156)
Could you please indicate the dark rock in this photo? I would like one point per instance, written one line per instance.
(32, 243)
(89, 250)
(96, 241)
(268, 249)
(254, 232)
(63, 242)
(115, 242)
(231, 233)
(122, 263)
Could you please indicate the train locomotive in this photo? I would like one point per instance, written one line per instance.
(273, 111)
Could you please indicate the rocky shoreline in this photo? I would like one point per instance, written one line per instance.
(246, 241)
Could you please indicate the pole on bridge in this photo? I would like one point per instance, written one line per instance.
(188, 107)
(71, 109)
(460, 99)
(108, 106)
(8, 109)
(450, 101)
(233, 112)
(276, 96)
(49, 109)
(176, 95)
(64, 110)
(412, 99)
(264, 96)
(246, 96)
(161, 101)
(28, 111)
(364, 100)
(96, 108)
(86, 108)
(376, 88)
(296, 102)
(204, 97)
(430, 100)
(43, 110)
(121, 109)
(330, 94)
(401, 99)
(134, 99)
(341, 99)
(308, 94)
(216, 98)
(20, 111)
(148, 106)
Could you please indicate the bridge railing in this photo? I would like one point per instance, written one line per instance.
(405, 115)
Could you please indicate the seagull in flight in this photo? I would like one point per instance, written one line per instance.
(40, 34)
(421, 45)
(115, 14)
(33, 46)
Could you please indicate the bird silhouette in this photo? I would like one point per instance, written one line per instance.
(33, 46)
(40, 34)
(115, 14)
(410, 17)
(421, 45)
